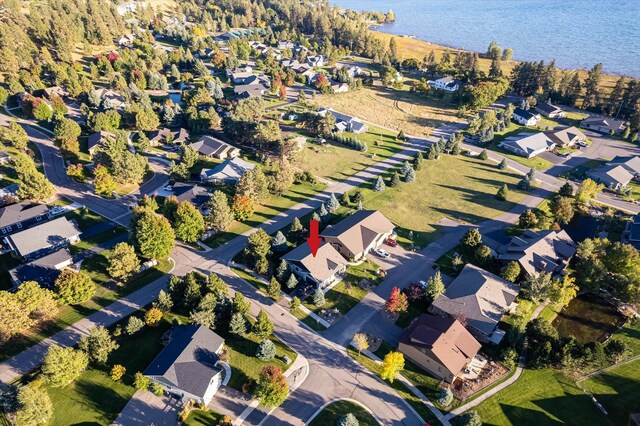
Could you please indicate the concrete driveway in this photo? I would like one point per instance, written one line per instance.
(147, 409)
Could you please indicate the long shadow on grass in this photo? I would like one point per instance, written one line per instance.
(525, 416)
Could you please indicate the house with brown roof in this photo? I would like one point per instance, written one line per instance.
(209, 146)
(439, 345)
(166, 135)
(478, 299)
(566, 136)
(543, 251)
(359, 233)
(322, 269)
(95, 140)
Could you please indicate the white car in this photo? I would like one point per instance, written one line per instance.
(382, 253)
(583, 143)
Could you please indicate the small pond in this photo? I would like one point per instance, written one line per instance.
(588, 318)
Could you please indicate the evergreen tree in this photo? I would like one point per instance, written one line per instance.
(417, 161)
(346, 199)
(333, 203)
(379, 185)
(503, 193)
(238, 324)
(323, 213)
(294, 305)
(483, 155)
(274, 289)
(435, 286)
(281, 271)
(295, 228)
(279, 243)
(395, 180)
(503, 164)
(292, 282)
(240, 304)
(318, 298)
(220, 215)
(410, 176)
(401, 136)
(566, 190)
(61, 366)
(98, 345)
(263, 327)
(266, 350)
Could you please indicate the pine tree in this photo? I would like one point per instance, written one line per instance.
(324, 213)
(435, 286)
(405, 168)
(266, 350)
(274, 289)
(395, 180)
(503, 193)
(417, 161)
(281, 271)
(379, 185)
(263, 327)
(360, 205)
(238, 324)
(318, 298)
(410, 176)
(294, 305)
(279, 243)
(292, 282)
(401, 136)
(333, 203)
(295, 228)
(503, 164)
(531, 174)
(483, 155)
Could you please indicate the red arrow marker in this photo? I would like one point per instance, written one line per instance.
(314, 239)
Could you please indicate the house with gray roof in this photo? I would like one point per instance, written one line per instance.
(478, 299)
(229, 172)
(355, 236)
(612, 176)
(322, 269)
(44, 238)
(22, 215)
(566, 136)
(196, 195)
(44, 270)
(543, 251)
(528, 145)
(246, 91)
(549, 110)
(344, 122)
(631, 164)
(525, 117)
(604, 125)
(632, 232)
(186, 367)
(166, 135)
(208, 146)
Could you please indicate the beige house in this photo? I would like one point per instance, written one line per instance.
(439, 345)
(566, 136)
(478, 299)
(544, 251)
(209, 146)
(323, 268)
(359, 233)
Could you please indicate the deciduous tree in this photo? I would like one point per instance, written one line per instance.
(73, 288)
(360, 342)
(272, 389)
(62, 366)
(189, 223)
(392, 365)
(123, 262)
(98, 345)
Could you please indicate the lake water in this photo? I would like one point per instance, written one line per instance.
(577, 33)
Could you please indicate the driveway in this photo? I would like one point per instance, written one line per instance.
(147, 409)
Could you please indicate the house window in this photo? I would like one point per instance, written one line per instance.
(19, 225)
(9, 228)
(38, 218)
(4, 230)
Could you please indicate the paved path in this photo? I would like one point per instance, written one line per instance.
(144, 409)
(511, 380)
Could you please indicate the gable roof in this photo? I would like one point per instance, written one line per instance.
(162, 134)
(208, 145)
(540, 251)
(97, 138)
(447, 339)
(231, 169)
(321, 267)
(480, 296)
(611, 173)
(526, 114)
(608, 122)
(632, 163)
(43, 236)
(359, 230)
(547, 107)
(566, 135)
(188, 360)
(21, 211)
(249, 90)
(194, 194)
(43, 270)
(529, 143)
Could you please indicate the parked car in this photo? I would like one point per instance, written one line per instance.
(583, 144)
(382, 253)
(391, 242)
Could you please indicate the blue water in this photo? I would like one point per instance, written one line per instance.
(577, 33)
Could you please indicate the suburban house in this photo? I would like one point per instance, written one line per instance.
(111, 98)
(323, 269)
(337, 87)
(246, 91)
(439, 345)
(296, 66)
(166, 135)
(5, 157)
(448, 84)
(126, 40)
(284, 44)
(22, 215)
(603, 124)
(95, 140)
(229, 172)
(543, 251)
(566, 136)
(358, 234)
(631, 164)
(613, 176)
(44, 270)
(208, 146)
(186, 367)
(344, 122)
(196, 195)
(478, 299)
(316, 61)
(59, 91)
(240, 75)
(528, 145)
(549, 110)
(44, 238)
(525, 117)
(632, 232)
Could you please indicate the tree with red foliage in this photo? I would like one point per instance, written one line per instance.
(397, 301)
(282, 92)
(322, 84)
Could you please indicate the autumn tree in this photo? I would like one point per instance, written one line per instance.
(73, 288)
(392, 365)
(588, 190)
(62, 366)
(123, 262)
(272, 388)
(360, 342)
(397, 301)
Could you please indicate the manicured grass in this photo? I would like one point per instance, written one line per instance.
(398, 109)
(588, 319)
(308, 320)
(338, 162)
(445, 262)
(204, 418)
(617, 390)
(332, 413)
(459, 187)
(580, 172)
(630, 334)
(512, 130)
(272, 207)
(97, 239)
(251, 280)
(68, 315)
(541, 397)
(415, 402)
(340, 297)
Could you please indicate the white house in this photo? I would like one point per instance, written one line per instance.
(448, 84)
(525, 117)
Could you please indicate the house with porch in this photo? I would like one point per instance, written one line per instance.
(566, 136)
(528, 145)
(355, 236)
(525, 117)
(612, 176)
(322, 269)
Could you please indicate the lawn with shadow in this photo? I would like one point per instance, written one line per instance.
(334, 411)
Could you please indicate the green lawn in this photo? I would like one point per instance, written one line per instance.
(617, 390)
(415, 402)
(445, 262)
(580, 172)
(458, 187)
(68, 315)
(203, 418)
(512, 130)
(332, 413)
(338, 162)
(272, 207)
(541, 397)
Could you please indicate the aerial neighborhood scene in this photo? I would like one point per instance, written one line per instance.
(319, 212)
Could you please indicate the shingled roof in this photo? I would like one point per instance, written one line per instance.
(359, 230)
(539, 251)
(479, 296)
(188, 360)
(321, 267)
(43, 236)
(22, 211)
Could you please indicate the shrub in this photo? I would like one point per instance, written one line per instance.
(134, 325)
(141, 382)
(117, 372)
(153, 317)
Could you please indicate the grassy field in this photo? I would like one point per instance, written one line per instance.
(617, 390)
(68, 315)
(458, 187)
(396, 109)
(541, 397)
(332, 413)
(272, 207)
(337, 162)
